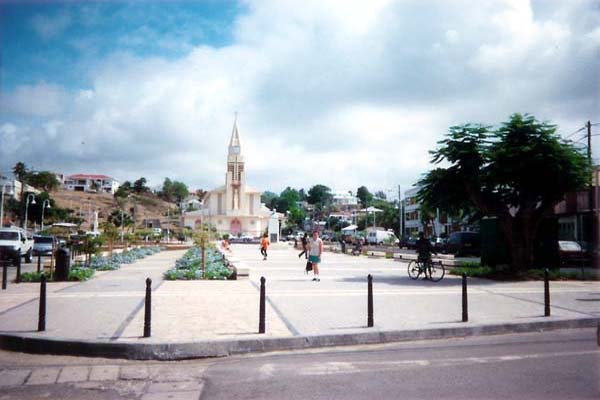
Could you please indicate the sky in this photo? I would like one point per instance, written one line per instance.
(343, 93)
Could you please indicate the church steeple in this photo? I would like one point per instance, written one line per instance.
(234, 143)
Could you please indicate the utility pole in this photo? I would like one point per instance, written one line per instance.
(594, 223)
(400, 219)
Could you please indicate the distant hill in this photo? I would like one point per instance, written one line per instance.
(145, 206)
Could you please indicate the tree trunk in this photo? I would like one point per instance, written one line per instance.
(519, 232)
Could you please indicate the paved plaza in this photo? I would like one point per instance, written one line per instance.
(109, 309)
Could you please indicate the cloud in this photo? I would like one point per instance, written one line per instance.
(340, 93)
(48, 27)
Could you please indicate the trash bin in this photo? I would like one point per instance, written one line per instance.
(63, 264)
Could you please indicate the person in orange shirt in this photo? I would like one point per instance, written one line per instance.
(264, 245)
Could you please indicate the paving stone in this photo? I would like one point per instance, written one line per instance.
(104, 373)
(187, 386)
(73, 374)
(43, 376)
(13, 377)
(134, 372)
(192, 395)
(176, 373)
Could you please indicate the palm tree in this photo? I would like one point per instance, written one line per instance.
(20, 171)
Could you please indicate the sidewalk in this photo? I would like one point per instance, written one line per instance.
(104, 316)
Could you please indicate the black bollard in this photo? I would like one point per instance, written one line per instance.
(4, 275)
(148, 308)
(42, 311)
(261, 312)
(39, 268)
(370, 301)
(465, 304)
(18, 280)
(546, 294)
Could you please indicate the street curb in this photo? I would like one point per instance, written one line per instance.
(223, 348)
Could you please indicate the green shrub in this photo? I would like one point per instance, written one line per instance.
(31, 277)
(474, 271)
(75, 274)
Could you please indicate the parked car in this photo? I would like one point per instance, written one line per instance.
(15, 243)
(408, 243)
(44, 245)
(463, 243)
(571, 254)
(381, 237)
(438, 243)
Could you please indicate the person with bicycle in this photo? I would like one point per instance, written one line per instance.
(424, 250)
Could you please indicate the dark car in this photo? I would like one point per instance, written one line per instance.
(44, 245)
(463, 243)
(408, 243)
(571, 254)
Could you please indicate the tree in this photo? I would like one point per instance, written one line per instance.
(44, 180)
(21, 173)
(139, 186)
(319, 195)
(380, 194)
(117, 216)
(516, 173)
(173, 190)
(364, 196)
(269, 199)
(124, 190)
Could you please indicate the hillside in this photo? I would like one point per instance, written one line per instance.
(145, 206)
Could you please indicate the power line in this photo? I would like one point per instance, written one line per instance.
(577, 131)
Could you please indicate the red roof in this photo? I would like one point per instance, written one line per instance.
(88, 176)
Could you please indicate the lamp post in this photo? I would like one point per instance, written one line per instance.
(32, 196)
(2, 205)
(45, 204)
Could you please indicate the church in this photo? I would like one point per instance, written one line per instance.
(234, 208)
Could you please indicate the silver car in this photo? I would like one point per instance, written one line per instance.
(43, 245)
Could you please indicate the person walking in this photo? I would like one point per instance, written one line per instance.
(264, 245)
(304, 246)
(315, 249)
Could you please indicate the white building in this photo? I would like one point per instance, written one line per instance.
(344, 199)
(234, 208)
(91, 183)
(191, 203)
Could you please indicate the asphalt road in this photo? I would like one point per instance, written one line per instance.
(553, 365)
(556, 365)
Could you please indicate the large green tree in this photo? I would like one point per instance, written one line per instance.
(516, 173)
(44, 180)
(364, 196)
(319, 195)
(174, 190)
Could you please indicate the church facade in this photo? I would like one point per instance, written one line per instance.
(234, 208)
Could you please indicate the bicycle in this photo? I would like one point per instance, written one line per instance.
(436, 270)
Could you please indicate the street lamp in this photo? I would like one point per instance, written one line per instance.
(32, 196)
(2, 205)
(45, 204)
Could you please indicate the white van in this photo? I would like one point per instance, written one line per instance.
(380, 238)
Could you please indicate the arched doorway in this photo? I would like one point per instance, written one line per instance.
(236, 227)
(198, 223)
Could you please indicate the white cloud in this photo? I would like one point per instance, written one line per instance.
(340, 93)
(48, 27)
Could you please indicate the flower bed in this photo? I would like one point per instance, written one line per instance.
(126, 257)
(189, 267)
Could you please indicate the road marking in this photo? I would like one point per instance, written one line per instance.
(338, 368)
